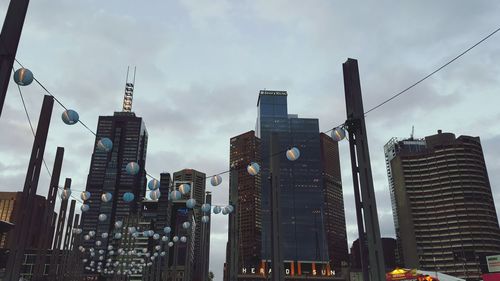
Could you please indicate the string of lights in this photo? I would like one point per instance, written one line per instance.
(339, 127)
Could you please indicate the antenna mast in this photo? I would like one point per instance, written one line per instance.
(129, 93)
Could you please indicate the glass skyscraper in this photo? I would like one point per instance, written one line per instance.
(302, 196)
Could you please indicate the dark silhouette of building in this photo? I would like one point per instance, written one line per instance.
(108, 173)
(198, 184)
(389, 248)
(444, 211)
(245, 148)
(334, 213)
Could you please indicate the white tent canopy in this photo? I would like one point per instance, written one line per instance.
(440, 276)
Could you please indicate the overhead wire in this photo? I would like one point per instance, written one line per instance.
(341, 125)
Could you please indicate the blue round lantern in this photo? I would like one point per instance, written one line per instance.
(23, 77)
(128, 197)
(216, 180)
(225, 211)
(293, 154)
(338, 134)
(70, 117)
(217, 209)
(154, 194)
(106, 197)
(105, 144)
(183, 239)
(185, 188)
(66, 193)
(229, 208)
(175, 195)
(205, 219)
(253, 169)
(167, 229)
(84, 208)
(154, 184)
(186, 225)
(85, 195)
(205, 208)
(132, 168)
(190, 203)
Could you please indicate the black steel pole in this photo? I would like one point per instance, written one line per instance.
(18, 238)
(277, 273)
(9, 41)
(361, 172)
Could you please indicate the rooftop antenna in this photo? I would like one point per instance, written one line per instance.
(412, 132)
(129, 92)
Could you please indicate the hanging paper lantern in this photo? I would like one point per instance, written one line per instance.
(105, 144)
(175, 195)
(225, 211)
(216, 180)
(175, 239)
(205, 208)
(106, 197)
(156, 236)
(23, 77)
(103, 217)
(70, 117)
(157, 247)
(132, 168)
(186, 225)
(98, 243)
(132, 230)
(293, 154)
(86, 237)
(163, 254)
(84, 208)
(118, 235)
(154, 194)
(167, 229)
(104, 235)
(229, 208)
(85, 195)
(154, 184)
(217, 209)
(191, 203)
(128, 197)
(183, 239)
(185, 188)
(253, 169)
(92, 233)
(164, 238)
(205, 219)
(338, 134)
(118, 224)
(65, 194)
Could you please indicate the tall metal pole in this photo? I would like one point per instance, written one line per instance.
(55, 257)
(277, 273)
(234, 227)
(9, 40)
(46, 237)
(362, 174)
(20, 233)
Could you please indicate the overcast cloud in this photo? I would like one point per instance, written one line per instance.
(201, 63)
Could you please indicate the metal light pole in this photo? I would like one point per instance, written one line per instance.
(364, 193)
(277, 273)
(9, 40)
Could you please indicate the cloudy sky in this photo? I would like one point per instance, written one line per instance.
(201, 63)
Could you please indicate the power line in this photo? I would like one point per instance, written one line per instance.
(432, 73)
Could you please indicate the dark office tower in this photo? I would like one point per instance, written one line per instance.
(244, 149)
(107, 171)
(445, 216)
(197, 180)
(389, 247)
(302, 197)
(334, 214)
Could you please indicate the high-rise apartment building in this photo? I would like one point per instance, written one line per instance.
(198, 184)
(443, 207)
